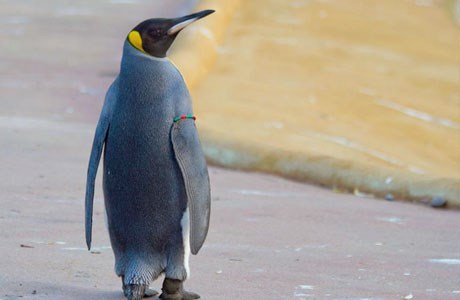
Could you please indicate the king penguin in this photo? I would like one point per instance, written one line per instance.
(155, 179)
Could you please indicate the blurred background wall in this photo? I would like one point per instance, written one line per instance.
(356, 95)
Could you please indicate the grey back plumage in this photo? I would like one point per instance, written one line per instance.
(140, 159)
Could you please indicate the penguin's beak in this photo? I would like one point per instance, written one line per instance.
(181, 23)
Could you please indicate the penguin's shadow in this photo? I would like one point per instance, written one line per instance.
(41, 290)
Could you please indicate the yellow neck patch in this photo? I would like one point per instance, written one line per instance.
(135, 39)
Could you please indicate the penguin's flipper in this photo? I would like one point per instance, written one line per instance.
(96, 152)
(190, 157)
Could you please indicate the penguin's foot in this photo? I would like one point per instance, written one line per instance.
(147, 294)
(150, 293)
(137, 291)
(173, 289)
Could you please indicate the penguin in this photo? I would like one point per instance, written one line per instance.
(155, 178)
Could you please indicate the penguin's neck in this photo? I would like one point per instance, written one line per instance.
(131, 55)
(143, 67)
(142, 75)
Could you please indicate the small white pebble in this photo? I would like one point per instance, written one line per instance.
(219, 272)
(408, 297)
(407, 274)
(378, 244)
(306, 287)
(301, 295)
(447, 261)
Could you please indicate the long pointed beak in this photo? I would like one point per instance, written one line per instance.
(181, 23)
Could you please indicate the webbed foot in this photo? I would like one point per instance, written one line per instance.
(144, 290)
(173, 289)
(150, 293)
(134, 291)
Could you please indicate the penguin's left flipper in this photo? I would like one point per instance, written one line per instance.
(190, 157)
(96, 152)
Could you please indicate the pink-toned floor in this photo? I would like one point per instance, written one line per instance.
(269, 238)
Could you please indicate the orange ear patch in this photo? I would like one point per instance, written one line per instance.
(135, 39)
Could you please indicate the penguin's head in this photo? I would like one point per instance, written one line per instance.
(155, 36)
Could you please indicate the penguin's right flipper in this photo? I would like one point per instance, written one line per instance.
(190, 157)
(98, 144)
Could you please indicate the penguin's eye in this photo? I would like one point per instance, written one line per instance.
(156, 33)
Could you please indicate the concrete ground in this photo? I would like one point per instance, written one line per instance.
(269, 238)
